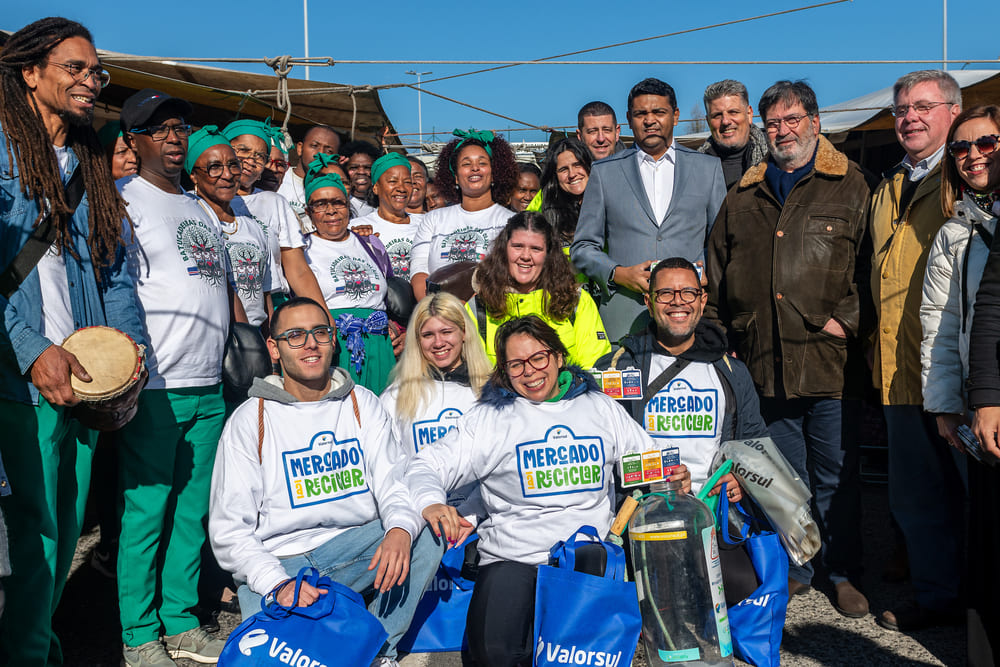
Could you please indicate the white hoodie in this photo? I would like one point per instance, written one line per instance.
(545, 469)
(321, 474)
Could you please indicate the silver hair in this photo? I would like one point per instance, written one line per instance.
(949, 88)
(724, 88)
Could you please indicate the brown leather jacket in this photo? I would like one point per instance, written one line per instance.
(777, 274)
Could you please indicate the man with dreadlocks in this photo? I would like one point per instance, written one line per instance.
(50, 78)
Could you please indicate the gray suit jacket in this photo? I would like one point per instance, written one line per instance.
(617, 228)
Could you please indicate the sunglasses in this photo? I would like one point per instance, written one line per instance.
(985, 144)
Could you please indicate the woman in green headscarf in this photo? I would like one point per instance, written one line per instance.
(474, 171)
(352, 272)
(392, 186)
(215, 171)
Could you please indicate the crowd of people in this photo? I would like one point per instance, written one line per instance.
(765, 266)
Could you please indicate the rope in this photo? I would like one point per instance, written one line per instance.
(646, 39)
(472, 106)
(282, 66)
(354, 112)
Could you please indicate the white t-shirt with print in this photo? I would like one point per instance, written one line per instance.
(687, 414)
(360, 208)
(452, 234)
(281, 223)
(397, 239)
(347, 276)
(293, 189)
(57, 312)
(179, 268)
(250, 262)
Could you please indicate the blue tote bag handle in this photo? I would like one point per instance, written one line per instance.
(322, 607)
(565, 553)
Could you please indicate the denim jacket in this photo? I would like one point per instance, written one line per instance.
(111, 304)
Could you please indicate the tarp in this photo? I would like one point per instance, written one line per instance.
(871, 110)
(222, 95)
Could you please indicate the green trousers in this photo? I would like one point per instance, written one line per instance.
(166, 456)
(47, 456)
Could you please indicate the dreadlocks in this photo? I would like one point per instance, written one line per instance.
(29, 145)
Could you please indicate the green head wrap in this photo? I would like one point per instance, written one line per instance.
(387, 162)
(319, 163)
(277, 136)
(484, 137)
(324, 181)
(201, 141)
(246, 126)
(109, 133)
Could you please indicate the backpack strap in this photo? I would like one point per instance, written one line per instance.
(357, 412)
(40, 240)
(260, 431)
(480, 314)
(260, 423)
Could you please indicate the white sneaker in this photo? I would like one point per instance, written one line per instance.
(383, 661)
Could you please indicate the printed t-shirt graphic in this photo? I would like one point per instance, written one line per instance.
(346, 274)
(560, 463)
(397, 239)
(200, 248)
(326, 470)
(427, 431)
(687, 414)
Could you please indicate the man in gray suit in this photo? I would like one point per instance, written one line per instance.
(652, 201)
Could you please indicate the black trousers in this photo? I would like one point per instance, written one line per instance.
(501, 616)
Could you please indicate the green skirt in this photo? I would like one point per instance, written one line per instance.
(379, 358)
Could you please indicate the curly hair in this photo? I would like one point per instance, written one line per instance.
(29, 146)
(560, 207)
(561, 291)
(503, 168)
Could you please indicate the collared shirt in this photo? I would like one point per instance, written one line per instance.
(658, 179)
(919, 170)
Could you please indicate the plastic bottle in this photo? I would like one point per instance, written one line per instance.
(679, 580)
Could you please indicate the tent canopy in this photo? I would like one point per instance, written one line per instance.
(219, 96)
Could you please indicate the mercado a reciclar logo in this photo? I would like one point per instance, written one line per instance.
(197, 244)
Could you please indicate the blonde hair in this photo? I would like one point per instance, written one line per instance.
(413, 374)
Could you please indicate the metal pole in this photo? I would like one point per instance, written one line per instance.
(305, 28)
(944, 36)
(420, 113)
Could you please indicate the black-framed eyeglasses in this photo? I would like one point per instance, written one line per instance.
(214, 169)
(325, 205)
(102, 77)
(297, 337)
(244, 153)
(161, 132)
(792, 122)
(985, 144)
(922, 108)
(687, 295)
(539, 361)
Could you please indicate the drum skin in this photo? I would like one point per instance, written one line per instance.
(118, 374)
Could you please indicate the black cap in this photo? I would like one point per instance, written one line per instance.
(139, 108)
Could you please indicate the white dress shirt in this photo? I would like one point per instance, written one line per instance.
(658, 180)
(919, 170)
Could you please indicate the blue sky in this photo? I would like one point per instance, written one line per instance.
(542, 94)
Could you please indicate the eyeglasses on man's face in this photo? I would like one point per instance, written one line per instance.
(161, 132)
(666, 295)
(80, 74)
(297, 337)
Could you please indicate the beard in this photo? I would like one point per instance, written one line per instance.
(83, 119)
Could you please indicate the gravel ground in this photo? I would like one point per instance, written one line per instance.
(87, 619)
